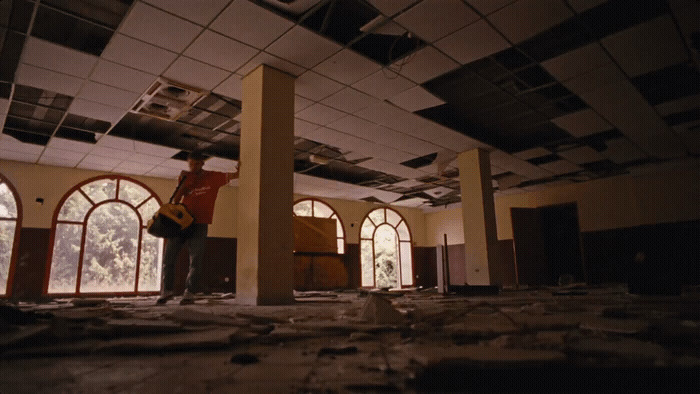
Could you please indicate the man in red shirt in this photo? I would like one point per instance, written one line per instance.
(198, 193)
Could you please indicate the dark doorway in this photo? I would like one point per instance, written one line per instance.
(547, 245)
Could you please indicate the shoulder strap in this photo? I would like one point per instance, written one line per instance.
(177, 188)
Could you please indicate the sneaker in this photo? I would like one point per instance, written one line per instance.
(187, 298)
(164, 297)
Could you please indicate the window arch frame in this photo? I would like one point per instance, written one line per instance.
(337, 216)
(398, 238)
(15, 242)
(84, 223)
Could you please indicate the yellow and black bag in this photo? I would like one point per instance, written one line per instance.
(171, 220)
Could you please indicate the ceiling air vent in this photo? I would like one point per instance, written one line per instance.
(168, 100)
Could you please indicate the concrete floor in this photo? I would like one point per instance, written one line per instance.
(581, 339)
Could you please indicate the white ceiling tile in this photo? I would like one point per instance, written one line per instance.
(320, 114)
(147, 159)
(622, 150)
(111, 153)
(424, 64)
(438, 191)
(128, 167)
(383, 84)
(384, 152)
(159, 28)
(164, 172)
(91, 109)
(47, 80)
(120, 143)
(647, 47)
(315, 86)
(8, 143)
(559, 167)
(583, 5)
(463, 47)
(302, 46)
(272, 61)
(488, 6)
(608, 74)
(108, 95)
(448, 138)
(301, 103)
(58, 58)
(174, 163)
(353, 125)
(58, 161)
(251, 24)
(497, 171)
(18, 156)
(231, 87)
(302, 128)
(220, 51)
(434, 19)
(385, 196)
(347, 66)
(391, 168)
(198, 11)
(391, 7)
(580, 155)
(328, 136)
(93, 159)
(582, 123)
(137, 54)
(123, 77)
(680, 105)
(94, 166)
(517, 166)
(413, 202)
(154, 150)
(194, 73)
(62, 153)
(349, 100)
(525, 18)
(4, 106)
(386, 136)
(415, 99)
(70, 145)
(532, 153)
(221, 164)
(576, 62)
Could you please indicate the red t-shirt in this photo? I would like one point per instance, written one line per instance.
(200, 193)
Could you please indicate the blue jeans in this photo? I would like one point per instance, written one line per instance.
(195, 240)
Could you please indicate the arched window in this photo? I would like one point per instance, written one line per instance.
(319, 209)
(10, 219)
(385, 250)
(99, 242)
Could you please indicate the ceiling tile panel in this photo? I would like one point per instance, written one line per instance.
(608, 74)
(391, 7)
(220, 51)
(95, 166)
(18, 156)
(383, 84)
(582, 123)
(353, 125)
(347, 66)
(488, 6)
(349, 100)
(128, 167)
(303, 128)
(251, 24)
(92, 159)
(69, 145)
(58, 58)
(434, 19)
(315, 86)
(320, 114)
(415, 99)
(301, 103)
(198, 11)
(580, 155)
(47, 80)
(391, 168)
(123, 77)
(462, 46)
(164, 172)
(148, 159)
(559, 167)
(304, 47)
(273, 61)
(91, 109)
(137, 54)
(517, 166)
(424, 64)
(583, 5)
(120, 143)
(194, 73)
(532, 153)
(622, 150)
(154, 150)
(525, 18)
(577, 62)
(8, 143)
(108, 95)
(58, 161)
(62, 153)
(647, 47)
(231, 87)
(159, 28)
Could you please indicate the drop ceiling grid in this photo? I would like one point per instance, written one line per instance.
(159, 28)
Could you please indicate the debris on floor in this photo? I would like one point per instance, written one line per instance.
(354, 341)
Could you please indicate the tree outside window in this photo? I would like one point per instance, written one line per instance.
(9, 233)
(385, 250)
(100, 243)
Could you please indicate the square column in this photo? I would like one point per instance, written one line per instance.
(265, 259)
(478, 215)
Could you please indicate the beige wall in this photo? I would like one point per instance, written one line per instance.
(51, 183)
(615, 202)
